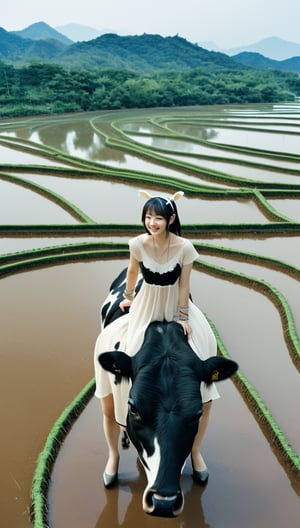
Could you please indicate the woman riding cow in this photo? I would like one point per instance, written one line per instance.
(165, 260)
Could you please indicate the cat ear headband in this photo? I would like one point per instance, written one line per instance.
(169, 200)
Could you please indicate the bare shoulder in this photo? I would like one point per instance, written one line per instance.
(178, 240)
(138, 238)
(144, 239)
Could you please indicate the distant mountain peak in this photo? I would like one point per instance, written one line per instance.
(42, 31)
(272, 47)
(79, 32)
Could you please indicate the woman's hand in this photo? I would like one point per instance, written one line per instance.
(126, 303)
(186, 328)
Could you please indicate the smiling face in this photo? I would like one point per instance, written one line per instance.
(155, 224)
(159, 217)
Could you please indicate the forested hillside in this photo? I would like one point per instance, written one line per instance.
(112, 72)
(258, 61)
(144, 53)
(49, 88)
(20, 51)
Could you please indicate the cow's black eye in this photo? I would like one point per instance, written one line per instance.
(133, 409)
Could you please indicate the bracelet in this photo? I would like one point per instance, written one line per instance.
(183, 318)
(183, 313)
(129, 295)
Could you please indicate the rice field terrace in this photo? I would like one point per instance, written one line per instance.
(68, 205)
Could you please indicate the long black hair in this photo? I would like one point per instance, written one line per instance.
(163, 207)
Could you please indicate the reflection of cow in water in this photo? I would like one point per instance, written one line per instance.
(164, 404)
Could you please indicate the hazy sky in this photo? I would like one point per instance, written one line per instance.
(228, 23)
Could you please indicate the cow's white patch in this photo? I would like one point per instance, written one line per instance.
(153, 463)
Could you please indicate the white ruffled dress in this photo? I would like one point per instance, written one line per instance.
(157, 300)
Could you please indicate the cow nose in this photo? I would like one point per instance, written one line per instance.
(162, 505)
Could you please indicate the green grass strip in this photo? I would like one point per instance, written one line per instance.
(262, 415)
(189, 168)
(262, 286)
(212, 157)
(165, 121)
(190, 230)
(31, 254)
(268, 209)
(60, 258)
(40, 487)
(248, 257)
(207, 249)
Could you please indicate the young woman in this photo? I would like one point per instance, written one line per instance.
(165, 260)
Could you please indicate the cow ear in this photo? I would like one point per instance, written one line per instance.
(118, 363)
(217, 369)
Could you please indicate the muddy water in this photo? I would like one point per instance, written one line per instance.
(246, 487)
(19, 205)
(265, 141)
(245, 475)
(107, 202)
(49, 321)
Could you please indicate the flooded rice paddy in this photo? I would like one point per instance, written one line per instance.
(62, 185)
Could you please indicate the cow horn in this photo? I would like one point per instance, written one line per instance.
(176, 196)
(145, 194)
(173, 198)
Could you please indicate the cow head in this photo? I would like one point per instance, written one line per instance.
(164, 407)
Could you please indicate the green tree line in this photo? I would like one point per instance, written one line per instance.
(42, 88)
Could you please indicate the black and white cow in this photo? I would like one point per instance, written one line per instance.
(164, 406)
(110, 309)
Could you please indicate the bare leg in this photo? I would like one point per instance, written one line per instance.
(111, 432)
(198, 462)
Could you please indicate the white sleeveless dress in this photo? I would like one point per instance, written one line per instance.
(157, 300)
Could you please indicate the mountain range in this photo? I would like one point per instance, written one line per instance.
(272, 48)
(71, 45)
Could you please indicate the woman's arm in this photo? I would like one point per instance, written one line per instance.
(183, 300)
(131, 279)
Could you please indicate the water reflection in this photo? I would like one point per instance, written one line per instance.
(77, 139)
(198, 131)
(259, 140)
(119, 513)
